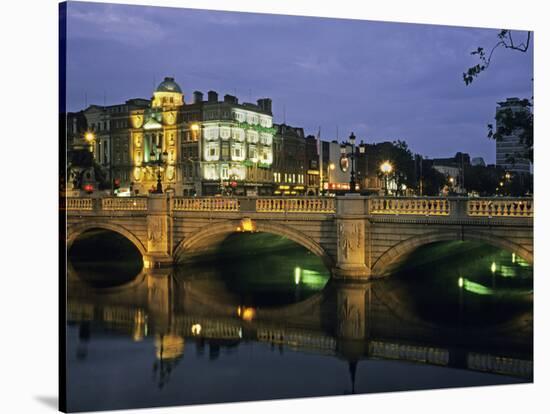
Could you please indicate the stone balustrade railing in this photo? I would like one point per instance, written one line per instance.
(206, 204)
(411, 206)
(295, 205)
(79, 203)
(124, 204)
(500, 208)
(456, 207)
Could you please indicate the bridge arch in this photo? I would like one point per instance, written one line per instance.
(380, 267)
(73, 231)
(218, 230)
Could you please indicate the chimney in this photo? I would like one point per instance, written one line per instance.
(197, 96)
(212, 96)
(265, 104)
(230, 99)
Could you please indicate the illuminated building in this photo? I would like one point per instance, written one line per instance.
(289, 167)
(336, 169)
(236, 146)
(510, 151)
(205, 147)
(312, 164)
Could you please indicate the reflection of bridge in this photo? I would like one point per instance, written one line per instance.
(356, 236)
(349, 320)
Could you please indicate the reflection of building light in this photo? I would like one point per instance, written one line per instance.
(493, 267)
(460, 282)
(140, 326)
(297, 275)
(246, 314)
(169, 346)
(196, 329)
(513, 258)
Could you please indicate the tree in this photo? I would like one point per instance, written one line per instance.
(482, 180)
(398, 154)
(432, 181)
(508, 121)
(506, 40)
(515, 122)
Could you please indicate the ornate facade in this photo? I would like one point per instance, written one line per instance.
(206, 147)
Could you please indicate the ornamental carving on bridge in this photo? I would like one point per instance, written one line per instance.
(350, 320)
(349, 238)
(155, 230)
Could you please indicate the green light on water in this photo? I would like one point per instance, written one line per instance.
(522, 262)
(493, 267)
(297, 275)
(507, 271)
(477, 288)
(513, 258)
(460, 282)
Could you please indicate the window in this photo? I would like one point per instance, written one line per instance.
(225, 171)
(225, 150)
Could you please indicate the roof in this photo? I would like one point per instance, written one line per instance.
(168, 85)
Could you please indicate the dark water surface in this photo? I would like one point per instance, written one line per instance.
(269, 323)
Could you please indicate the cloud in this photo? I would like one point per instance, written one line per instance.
(380, 80)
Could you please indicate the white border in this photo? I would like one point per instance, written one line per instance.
(29, 201)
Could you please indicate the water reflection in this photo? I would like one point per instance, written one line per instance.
(210, 332)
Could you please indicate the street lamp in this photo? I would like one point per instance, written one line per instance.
(331, 168)
(158, 162)
(352, 156)
(386, 169)
(89, 137)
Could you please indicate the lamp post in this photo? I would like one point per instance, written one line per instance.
(158, 162)
(386, 169)
(352, 156)
(89, 137)
(331, 168)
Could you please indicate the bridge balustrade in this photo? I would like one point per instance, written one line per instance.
(124, 204)
(419, 206)
(295, 205)
(206, 204)
(74, 203)
(500, 208)
(410, 206)
(501, 365)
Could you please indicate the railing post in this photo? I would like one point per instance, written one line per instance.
(350, 230)
(248, 205)
(159, 227)
(458, 207)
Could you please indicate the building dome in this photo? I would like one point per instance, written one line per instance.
(168, 85)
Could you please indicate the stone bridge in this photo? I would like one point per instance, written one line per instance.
(356, 236)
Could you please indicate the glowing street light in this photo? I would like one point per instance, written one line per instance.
(89, 136)
(386, 169)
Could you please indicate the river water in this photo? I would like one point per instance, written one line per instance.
(263, 320)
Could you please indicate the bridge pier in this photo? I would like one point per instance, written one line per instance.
(159, 229)
(350, 230)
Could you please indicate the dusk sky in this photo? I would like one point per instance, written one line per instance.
(383, 81)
